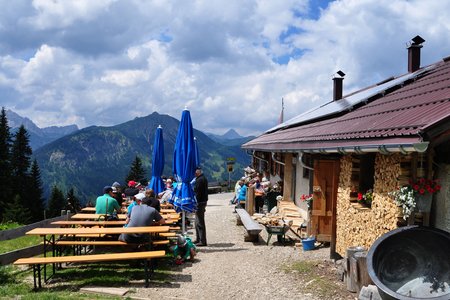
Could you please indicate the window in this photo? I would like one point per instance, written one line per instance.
(363, 171)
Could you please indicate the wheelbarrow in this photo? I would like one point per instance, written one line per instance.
(279, 231)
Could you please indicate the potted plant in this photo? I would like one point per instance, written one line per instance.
(423, 190)
(405, 199)
(366, 198)
(308, 199)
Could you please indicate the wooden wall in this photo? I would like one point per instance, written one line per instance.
(361, 227)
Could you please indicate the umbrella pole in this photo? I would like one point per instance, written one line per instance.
(183, 218)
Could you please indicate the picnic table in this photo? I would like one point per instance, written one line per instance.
(88, 216)
(88, 209)
(90, 231)
(79, 232)
(88, 223)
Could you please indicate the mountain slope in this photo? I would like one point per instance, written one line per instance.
(97, 156)
(38, 136)
(230, 138)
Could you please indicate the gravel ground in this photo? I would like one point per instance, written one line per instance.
(229, 268)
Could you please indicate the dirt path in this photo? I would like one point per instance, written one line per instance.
(229, 268)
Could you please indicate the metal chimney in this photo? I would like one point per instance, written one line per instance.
(414, 53)
(338, 79)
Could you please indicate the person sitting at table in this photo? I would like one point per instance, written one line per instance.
(117, 190)
(167, 193)
(242, 197)
(132, 189)
(106, 204)
(137, 199)
(141, 215)
(150, 194)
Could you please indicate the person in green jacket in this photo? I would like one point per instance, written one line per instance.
(184, 250)
(106, 204)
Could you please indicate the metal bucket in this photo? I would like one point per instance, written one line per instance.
(411, 263)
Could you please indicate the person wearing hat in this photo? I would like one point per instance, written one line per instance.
(117, 194)
(184, 249)
(106, 204)
(165, 195)
(201, 193)
(137, 199)
(132, 189)
(141, 215)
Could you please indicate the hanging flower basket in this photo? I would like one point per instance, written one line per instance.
(423, 203)
(417, 195)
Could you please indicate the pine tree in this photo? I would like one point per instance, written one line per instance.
(137, 172)
(35, 193)
(56, 203)
(20, 165)
(73, 203)
(17, 212)
(5, 166)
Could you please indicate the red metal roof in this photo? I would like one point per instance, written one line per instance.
(400, 117)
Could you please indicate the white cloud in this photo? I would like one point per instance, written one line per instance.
(60, 13)
(106, 62)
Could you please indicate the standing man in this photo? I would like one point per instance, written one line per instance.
(201, 193)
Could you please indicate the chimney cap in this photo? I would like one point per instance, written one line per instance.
(415, 42)
(339, 74)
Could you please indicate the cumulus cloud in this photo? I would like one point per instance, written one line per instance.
(230, 62)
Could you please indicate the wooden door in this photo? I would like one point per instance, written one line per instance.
(325, 186)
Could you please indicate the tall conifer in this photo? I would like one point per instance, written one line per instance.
(20, 165)
(56, 203)
(35, 193)
(137, 172)
(5, 166)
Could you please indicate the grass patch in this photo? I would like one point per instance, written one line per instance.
(9, 225)
(19, 243)
(17, 282)
(318, 278)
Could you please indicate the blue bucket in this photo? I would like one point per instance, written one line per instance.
(308, 244)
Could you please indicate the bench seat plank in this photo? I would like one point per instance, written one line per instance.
(104, 243)
(253, 228)
(90, 258)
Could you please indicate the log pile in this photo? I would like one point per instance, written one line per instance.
(287, 213)
(357, 226)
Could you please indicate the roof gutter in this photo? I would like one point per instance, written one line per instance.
(384, 149)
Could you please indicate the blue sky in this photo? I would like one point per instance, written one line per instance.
(230, 62)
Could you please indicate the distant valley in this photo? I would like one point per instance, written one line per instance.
(90, 158)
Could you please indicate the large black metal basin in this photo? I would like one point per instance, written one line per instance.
(411, 262)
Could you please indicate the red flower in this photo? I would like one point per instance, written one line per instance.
(423, 186)
(360, 196)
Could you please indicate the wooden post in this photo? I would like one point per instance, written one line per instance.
(362, 278)
(351, 274)
(250, 201)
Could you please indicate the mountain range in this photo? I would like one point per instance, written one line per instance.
(38, 136)
(230, 138)
(88, 159)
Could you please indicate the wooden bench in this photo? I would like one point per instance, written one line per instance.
(77, 246)
(40, 262)
(253, 228)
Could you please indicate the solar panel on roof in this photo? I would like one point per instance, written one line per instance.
(347, 103)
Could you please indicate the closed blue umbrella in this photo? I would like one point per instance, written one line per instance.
(184, 166)
(156, 184)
